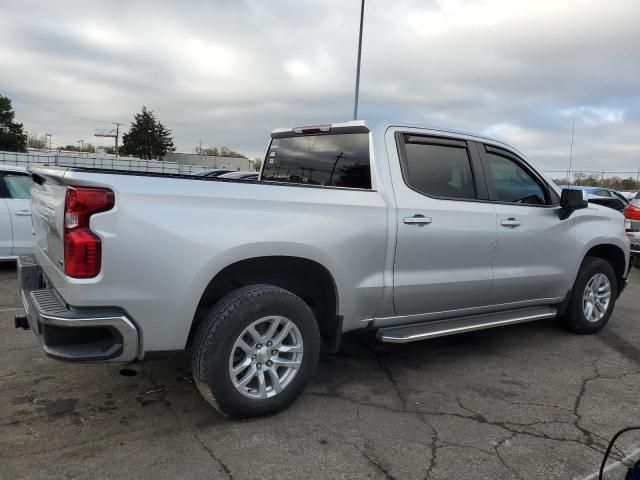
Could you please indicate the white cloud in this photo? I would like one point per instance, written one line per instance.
(595, 115)
(228, 71)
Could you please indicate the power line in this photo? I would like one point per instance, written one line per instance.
(22, 99)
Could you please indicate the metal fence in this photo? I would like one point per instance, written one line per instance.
(106, 163)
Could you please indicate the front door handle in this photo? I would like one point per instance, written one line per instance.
(418, 220)
(22, 213)
(510, 222)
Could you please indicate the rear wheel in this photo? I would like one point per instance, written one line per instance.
(255, 351)
(593, 297)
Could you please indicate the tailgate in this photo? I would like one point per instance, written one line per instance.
(48, 195)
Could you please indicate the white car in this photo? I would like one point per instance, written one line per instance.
(16, 232)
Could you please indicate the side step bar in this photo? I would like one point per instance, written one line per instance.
(441, 328)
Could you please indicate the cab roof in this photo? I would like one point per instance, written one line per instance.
(362, 126)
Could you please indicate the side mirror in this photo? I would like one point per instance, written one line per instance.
(571, 200)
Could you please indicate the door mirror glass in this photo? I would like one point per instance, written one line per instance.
(571, 200)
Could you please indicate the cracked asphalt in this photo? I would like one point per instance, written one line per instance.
(522, 402)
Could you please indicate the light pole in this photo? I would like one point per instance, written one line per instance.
(355, 101)
(573, 129)
(117, 135)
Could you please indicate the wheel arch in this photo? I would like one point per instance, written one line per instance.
(307, 278)
(615, 256)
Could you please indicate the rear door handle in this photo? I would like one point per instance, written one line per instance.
(510, 222)
(22, 213)
(418, 220)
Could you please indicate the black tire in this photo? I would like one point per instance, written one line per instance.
(223, 325)
(574, 318)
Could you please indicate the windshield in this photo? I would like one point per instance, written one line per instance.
(328, 160)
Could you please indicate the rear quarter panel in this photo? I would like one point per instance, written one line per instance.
(167, 238)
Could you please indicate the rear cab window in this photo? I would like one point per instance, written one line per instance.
(330, 160)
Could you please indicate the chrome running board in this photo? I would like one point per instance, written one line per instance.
(452, 326)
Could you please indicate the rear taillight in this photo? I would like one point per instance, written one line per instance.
(632, 212)
(82, 247)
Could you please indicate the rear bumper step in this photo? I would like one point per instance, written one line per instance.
(72, 334)
(441, 328)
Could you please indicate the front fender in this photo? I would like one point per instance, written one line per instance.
(598, 225)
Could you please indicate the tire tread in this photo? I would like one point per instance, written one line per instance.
(207, 337)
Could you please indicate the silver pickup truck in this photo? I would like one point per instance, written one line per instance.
(411, 232)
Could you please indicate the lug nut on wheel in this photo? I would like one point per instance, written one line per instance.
(274, 352)
(269, 363)
(259, 366)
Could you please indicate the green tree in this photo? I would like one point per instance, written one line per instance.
(87, 147)
(227, 152)
(211, 151)
(12, 136)
(147, 138)
(222, 152)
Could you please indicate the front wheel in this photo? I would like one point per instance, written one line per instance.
(592, 298)
(255, 351)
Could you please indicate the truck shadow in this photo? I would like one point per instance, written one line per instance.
(369, 372)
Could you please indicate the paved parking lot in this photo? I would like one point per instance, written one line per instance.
(528, 401)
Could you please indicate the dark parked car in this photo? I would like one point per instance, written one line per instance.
(212, 172)
(241, 175)
(604, 196)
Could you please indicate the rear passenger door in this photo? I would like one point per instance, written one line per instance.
(535, 247)
(446, 226)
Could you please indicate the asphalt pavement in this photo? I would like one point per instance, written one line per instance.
(525, 402)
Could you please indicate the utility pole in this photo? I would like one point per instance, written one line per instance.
(355, 102)
(45, 140)
(81, 142)
(117, 134)
(573, 129)
(200, 149)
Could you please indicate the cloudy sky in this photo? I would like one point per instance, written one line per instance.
(227, 72)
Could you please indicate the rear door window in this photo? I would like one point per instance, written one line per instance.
(438, 169)
(340, 160)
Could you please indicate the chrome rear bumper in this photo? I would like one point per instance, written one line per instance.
(73, 334)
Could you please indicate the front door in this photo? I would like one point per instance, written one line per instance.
(535, 247)
(446, 228)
